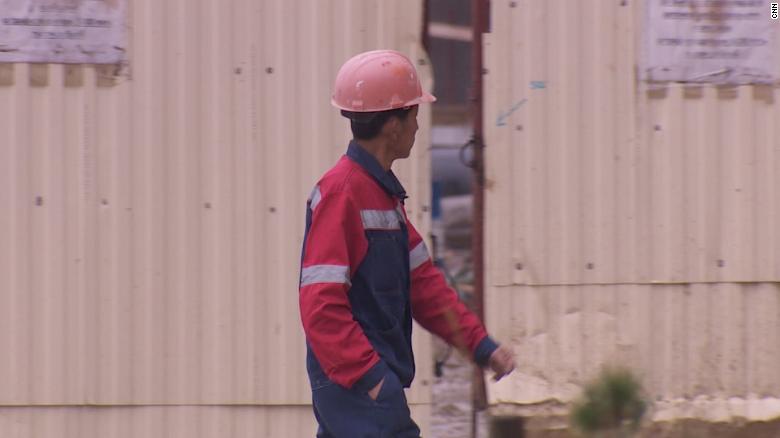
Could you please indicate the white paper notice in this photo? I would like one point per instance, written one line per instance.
(714, 41)
(66, 31)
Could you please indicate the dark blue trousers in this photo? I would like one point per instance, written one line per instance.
(348, 413)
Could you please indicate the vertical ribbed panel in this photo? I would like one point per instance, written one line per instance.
(151, 222)
(626, 223)
(599, 178)
(165, 421)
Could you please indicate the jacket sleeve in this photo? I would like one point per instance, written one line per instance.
(438, 309)
(334, 247)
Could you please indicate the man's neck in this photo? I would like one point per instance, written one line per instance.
(379, 149)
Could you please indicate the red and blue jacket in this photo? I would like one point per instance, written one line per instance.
(365, 273)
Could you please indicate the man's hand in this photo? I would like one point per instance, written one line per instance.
(374, 392)
(502, 362)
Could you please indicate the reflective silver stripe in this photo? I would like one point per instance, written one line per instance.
(325, 274)
(380, 219)
(315, 197)
(418, 256)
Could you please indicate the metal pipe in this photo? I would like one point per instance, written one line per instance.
(426, 21)
(479, 11)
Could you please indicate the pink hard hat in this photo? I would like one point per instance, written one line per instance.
(379, 80)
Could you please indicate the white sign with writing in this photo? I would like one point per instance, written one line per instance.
(713, 41)
(66, 31)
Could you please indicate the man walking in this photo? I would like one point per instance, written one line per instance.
(365, 270)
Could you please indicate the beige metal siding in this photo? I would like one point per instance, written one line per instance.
(151, 222)
(626, 223)
(165, 421)
(600, 179)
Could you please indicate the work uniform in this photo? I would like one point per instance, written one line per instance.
(365, 273)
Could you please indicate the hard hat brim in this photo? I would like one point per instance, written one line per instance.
(425, 98)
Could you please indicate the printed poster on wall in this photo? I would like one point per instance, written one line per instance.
(62, 31)
(711, 41)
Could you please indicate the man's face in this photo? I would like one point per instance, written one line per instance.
(407, 132)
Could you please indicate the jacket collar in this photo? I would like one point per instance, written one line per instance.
(386, 179)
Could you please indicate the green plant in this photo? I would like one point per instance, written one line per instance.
(612, 405)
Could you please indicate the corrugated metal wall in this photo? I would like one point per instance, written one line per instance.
(165, 421)
(626, 223)
(151, 222)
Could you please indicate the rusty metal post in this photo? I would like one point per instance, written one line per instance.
(426, 20)
(479, 17)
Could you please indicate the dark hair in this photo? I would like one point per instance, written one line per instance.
(366, 126)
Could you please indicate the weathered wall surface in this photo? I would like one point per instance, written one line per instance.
(628, 224)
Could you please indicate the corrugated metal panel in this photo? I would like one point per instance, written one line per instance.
(597, 178)
(152, 221)
(626, 224)
(165, 421)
